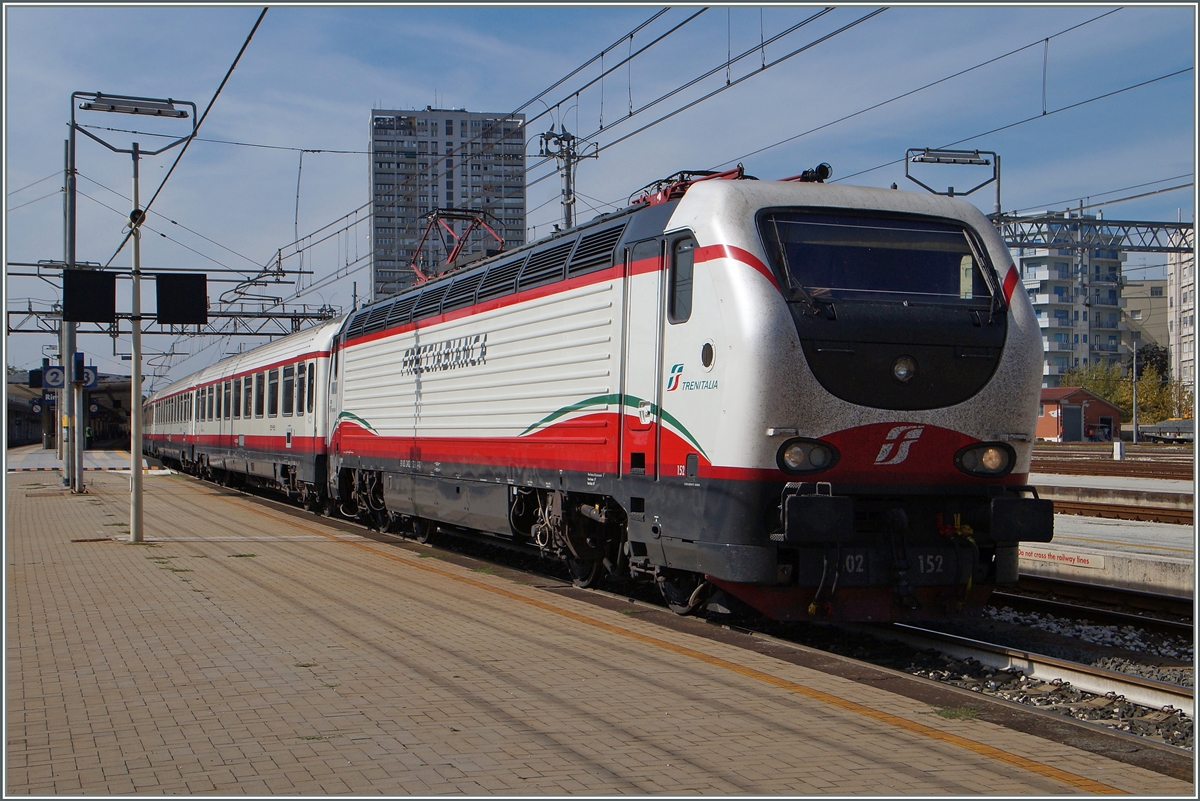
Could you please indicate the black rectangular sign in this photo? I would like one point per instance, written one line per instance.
(182, 298)
(89, 296)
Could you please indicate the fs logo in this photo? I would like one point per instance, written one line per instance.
(897, 443)
(676, 374)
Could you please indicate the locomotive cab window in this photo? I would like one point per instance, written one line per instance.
(847, 256)
(679, 302)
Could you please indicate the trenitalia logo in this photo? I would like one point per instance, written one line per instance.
(897, 443)
(676, 374)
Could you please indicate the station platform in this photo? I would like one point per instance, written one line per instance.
(34, 458)
(250, 648)
(1127, 554)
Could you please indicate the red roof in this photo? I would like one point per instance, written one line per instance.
(1058, 393)
(1062, 393)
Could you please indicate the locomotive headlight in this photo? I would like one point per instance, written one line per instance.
(805, 455)
(988, 459)
(904, 369)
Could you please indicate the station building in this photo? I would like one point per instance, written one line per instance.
(1073, 414)
(441, 158)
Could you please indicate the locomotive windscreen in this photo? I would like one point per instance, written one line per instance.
(846, 256)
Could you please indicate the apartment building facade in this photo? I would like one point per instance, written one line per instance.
(1077, 297)
(1145, 312)
(441, 159)
(1181, 314)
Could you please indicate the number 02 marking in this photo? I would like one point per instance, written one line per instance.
(854, 563)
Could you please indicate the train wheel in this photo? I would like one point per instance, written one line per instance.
(584, 572)
(684, 592)
(422, 530)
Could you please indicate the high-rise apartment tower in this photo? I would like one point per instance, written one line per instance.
(1076, 296)
(447, 159)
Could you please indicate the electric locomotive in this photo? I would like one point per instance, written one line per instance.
(817, 399)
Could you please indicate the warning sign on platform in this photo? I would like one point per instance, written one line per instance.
(1087, 560)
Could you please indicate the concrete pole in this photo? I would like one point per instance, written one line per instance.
(135, 394)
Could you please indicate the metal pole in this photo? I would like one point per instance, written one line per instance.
(135, 394)
(997, 209)
(66, 351)
(568, 202)
(77, 430)
(1135, 378)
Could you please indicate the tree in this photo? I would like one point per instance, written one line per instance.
(1158, 399)
(1156, 356)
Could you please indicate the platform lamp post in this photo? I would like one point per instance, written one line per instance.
(153, 107)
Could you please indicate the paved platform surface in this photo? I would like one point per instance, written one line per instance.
(35, 458)
(247, 649)
(1122, 483)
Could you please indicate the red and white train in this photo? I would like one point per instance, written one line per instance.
(819, 399)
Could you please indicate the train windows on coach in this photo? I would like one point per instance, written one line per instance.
(237, 399)
(260, 393)
(273, 392)
(228, 406)
(289, 389)
(679, 304)
(247, 395)
(312, 385)
(301, 369)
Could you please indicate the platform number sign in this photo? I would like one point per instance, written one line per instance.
(54, 377)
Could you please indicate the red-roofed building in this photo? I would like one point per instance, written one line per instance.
(1072, 414)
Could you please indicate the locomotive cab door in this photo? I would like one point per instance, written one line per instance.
(642, 341)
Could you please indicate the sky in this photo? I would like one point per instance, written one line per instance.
(1097, 104)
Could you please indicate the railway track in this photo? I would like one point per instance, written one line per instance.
(1036, 588)
(1123, 511)
(1094, 614)
(1109, 686)
(1175, 471)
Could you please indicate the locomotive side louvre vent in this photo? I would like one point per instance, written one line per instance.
(401, 310)
(595, 251)
(356, 324)
(377, 318)
(462, 291)
(431, 301)
(545, 266)
(500, 281)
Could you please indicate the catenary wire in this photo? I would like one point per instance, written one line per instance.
(914, 91)
(1113, 93)
(199, 123)
(35, 200)
(35, 183)
(173, 222)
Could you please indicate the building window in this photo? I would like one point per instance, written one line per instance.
(1156, 291)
